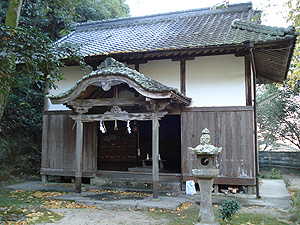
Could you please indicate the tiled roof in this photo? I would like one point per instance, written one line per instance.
(112, 67)
(196, 28)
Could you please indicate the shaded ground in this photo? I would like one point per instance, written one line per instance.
(272, 205)
(113, 197)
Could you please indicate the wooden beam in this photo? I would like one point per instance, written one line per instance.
(118, 116)
(155, 153)
(227, 180)
(183, 58)
(218, 109)
(78, 158)
(107, 102)
(65, 172)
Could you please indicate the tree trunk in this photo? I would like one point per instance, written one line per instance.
(13, 13)
(12, 20)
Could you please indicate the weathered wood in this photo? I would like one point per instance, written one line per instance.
(65, 172)
(253, 66)
(108, 101)
(155, 153)
(59, 139)
(137, 175)
(61, 112)
(90, 146)
(118, 116)
(110, 81)
(235, 181)
(45, 141)
(217, 109)
(183, 76)
(248, 81)
(79, 150)
(227, 181)
(232, 130)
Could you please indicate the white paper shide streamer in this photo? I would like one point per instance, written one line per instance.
(128, 127)
(102, 127)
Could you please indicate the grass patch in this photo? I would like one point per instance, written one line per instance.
(20, 198)
(190, 215)
(273, 174)
(26, 207)
(295, 211)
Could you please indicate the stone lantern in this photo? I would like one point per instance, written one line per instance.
(205, 173)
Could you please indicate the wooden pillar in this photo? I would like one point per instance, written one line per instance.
(155, 153)
(255, 121)
(183, 76)
(248, 81)
(78, 159)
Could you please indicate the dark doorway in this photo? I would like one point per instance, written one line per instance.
(169, 142)
(119, 151)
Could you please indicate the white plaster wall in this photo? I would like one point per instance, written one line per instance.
(71, 74)
(210, 80)
(164, 71)
(216, 81)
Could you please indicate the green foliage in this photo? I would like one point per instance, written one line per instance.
(58, 17)
(38, 61)
(21, 131)
(221, 5)
(273, 174)
(296, 207)
(294, 17)
(279, 118)
(38, 58)
(229, 208)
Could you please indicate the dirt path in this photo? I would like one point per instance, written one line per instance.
(128, 217)
(105, 216)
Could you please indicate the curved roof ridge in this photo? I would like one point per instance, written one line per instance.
(161, 16)
(259, 28)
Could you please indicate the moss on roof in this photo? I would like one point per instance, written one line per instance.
(196, 28)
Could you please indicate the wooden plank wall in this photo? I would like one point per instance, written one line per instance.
(59, 139)
(230, 128)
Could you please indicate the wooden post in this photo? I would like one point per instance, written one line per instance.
(255, 121)
(155, 152)
(183, 76)
(78, 159)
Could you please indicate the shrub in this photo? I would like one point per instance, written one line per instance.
(229, 208)
(296, 207)
(21, 131)
(273, 174)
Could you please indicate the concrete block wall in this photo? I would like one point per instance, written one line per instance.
(288, 162)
